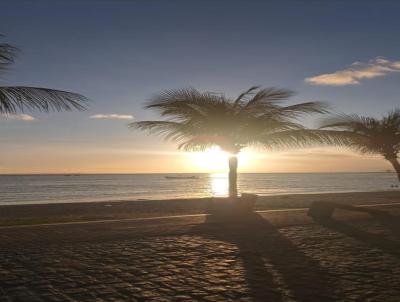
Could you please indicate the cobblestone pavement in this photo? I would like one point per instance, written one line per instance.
(249, 260)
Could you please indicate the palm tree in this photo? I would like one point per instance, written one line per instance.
(369, 135)
(198, 121)
(21, 98)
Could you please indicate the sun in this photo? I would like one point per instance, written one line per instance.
(215, 160)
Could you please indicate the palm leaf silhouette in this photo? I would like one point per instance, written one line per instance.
(21, 98)
(369, 135)
(197, 121)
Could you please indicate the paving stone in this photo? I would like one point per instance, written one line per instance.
(298, 263)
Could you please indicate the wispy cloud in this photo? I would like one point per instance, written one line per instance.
(18, 117)
(356, 72)
(112, 116)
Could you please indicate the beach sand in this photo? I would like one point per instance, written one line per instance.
(64, 212)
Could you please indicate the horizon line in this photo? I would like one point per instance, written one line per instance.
(161, 173)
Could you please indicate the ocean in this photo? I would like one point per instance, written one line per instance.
(32, 189)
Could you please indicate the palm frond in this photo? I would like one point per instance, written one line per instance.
(179, 96)
(21, 98)
(306, 138)
(378, 136)
(183, 104)
(268, 97)
(169, 130)
(350, 122)
(305, 108)
(245, 94)
(200, 143)
(392, 120)
(7, 54)
(198, 120)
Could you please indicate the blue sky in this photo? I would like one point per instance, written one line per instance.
(119, 53)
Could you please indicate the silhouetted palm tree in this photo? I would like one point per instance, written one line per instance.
(14, 98)
(370, 135)
(198, 121)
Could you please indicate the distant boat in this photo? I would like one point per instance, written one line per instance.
(181, 177)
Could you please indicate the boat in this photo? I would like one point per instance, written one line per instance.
(181, 177)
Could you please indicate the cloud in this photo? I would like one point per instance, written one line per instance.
(356, 72)
(112, 116)
(18, 117)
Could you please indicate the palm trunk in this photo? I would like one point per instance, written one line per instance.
(396, 165)
(233, 163)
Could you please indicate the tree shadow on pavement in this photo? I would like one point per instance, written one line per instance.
(274, 268)
(374, 240)
(389, 221)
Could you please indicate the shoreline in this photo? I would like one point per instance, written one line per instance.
(102, 210)
(18, 203)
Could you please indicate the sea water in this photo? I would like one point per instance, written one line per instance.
(20, 189)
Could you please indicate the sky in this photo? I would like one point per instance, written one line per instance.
(120, 53)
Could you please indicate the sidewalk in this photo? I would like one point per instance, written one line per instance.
(270, 256)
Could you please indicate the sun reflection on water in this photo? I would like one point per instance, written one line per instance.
(219, 184)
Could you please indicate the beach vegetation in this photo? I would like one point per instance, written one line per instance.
(370, 135)
(198, 121)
